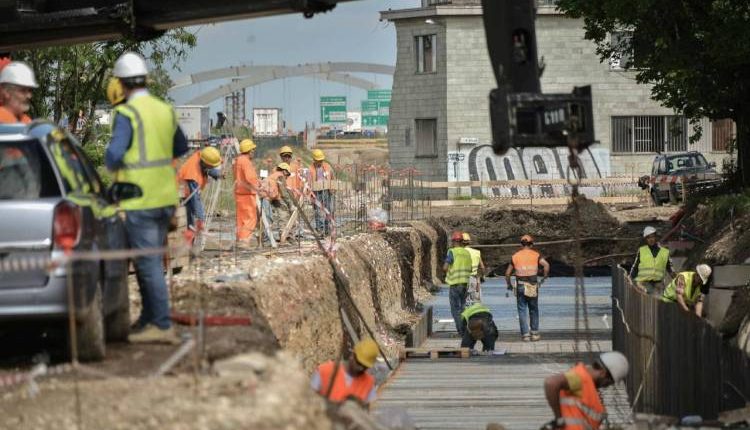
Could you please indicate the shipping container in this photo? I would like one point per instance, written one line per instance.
(353, 122)
(194, 121)
(267, 122)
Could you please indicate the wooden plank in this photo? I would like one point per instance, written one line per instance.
(434, 353)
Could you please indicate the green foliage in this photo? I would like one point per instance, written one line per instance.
(73, 79)
(694, 53)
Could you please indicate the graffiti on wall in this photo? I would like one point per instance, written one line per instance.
(535, 163)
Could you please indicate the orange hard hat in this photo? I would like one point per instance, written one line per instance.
(457, 236)
(527, 238)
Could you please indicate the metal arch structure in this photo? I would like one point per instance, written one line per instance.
(256, 75)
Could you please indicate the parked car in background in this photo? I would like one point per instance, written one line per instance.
(670, 172)
(52, 199)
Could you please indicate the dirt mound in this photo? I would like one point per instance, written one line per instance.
(721, 229)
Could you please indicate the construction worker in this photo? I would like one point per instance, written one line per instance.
(193, 177)
(246, 186)
(350, 380)
(526, 264)
(689, 290)
(477, 269)
(478, 325)
(294, 181)
(270, 191)
(457, 268)
(574, 397)
(145, 141)
(321, 179)
(651, 264)
(17, 82)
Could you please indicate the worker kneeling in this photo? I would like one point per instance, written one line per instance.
(574, 396)
(478, 325)
(350, 380)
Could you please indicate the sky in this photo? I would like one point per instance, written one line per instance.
(351, 32)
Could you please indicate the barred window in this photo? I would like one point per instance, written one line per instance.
(426, 134)
(426, 53)
(647, 134)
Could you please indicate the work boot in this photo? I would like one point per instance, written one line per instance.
(526, 338)
(535, 337)
(154, 334)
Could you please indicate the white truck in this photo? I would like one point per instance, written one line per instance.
(353, 123)
(267, 122)
(194, 121)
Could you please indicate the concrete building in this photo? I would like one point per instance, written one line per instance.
(439, 119)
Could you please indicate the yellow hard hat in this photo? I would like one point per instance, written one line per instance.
(211, 156)
(467, 238)
(115, 93)
(366, 352)
(247, 145)
(286, 149)
(318, 155)
(283, 166)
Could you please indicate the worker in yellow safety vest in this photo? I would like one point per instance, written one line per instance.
(651, 264)
(457, 268)
(525, 263)
(145, 141)
(574, 397)
(478, 325)
(689, 290)
(477, 270)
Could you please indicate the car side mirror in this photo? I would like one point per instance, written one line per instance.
(123, 191)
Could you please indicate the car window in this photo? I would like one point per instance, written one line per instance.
(70, 166)
(687, 161)
(25, 172)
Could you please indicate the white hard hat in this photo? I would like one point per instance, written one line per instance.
(18, 73)
(704, 271)
(648, 231)
(616, 364)
(130, 65)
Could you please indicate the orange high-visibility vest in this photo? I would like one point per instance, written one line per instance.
(294, 181)
(582, 412)
(191, 171)
(7, 117)
(270, 187)
(526, 262)
(360, 387)
(244, 174)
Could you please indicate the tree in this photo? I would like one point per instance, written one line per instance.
(695, 53)
(73, 79)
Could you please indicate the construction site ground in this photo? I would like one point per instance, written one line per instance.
(289, 294)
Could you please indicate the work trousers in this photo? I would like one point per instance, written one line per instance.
(147, 229)
(457, 298)
(277, 216)
(528, 308)
(653, 288)
(322, 222)
(247, 215)
(489, 333)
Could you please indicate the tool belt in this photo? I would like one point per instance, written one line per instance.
(530, 290)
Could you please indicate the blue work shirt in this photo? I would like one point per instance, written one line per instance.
(122, 138)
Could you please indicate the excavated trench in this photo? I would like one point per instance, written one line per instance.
(295, 311)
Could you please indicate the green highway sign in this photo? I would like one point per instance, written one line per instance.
(379, 95)
(333, 110)
(375, 112)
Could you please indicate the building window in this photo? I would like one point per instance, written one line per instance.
(426, 53)
(723, 132)
(647, 134)
(426, 133)
(438, 2)
(622, 50)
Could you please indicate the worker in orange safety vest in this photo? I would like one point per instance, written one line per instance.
(351, 380)
(526, 264)
(193, 177)
(17, 82)
(294, 181)
(574, 397)
(246, 187)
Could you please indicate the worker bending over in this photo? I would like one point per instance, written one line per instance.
(17, 83)
(477, 270)
(574, 396)
(525, 263)
(457, 268)
(651, 264)
(270, 191)
(246, 187)
(478, 325)
(350, 380)
(321, 180)
(689, 290)
(193, 177)
(294, 180)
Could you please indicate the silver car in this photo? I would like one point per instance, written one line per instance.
(52, 200)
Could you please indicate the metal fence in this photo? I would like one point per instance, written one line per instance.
(680, 365)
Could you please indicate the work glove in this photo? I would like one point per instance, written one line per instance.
(189, 236)
(200, 225)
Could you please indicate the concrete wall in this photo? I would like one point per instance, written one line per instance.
(417, 95)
